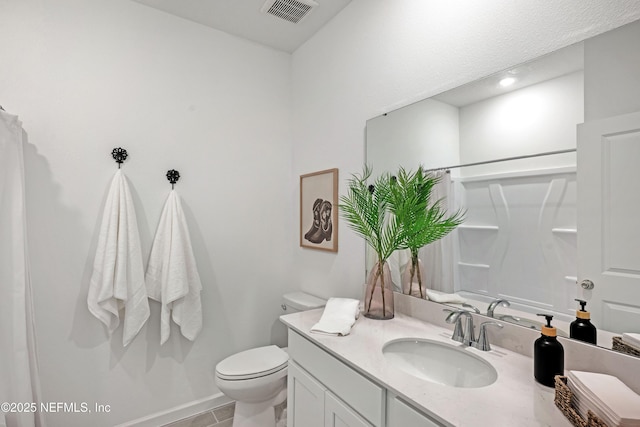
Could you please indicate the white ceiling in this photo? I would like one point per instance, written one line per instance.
(243, 18)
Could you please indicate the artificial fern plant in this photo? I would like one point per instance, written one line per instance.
(424, 223)
(369, 211)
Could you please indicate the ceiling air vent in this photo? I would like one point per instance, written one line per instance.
(289, 10)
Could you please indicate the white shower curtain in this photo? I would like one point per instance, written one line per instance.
(19, 382)
(437, 257)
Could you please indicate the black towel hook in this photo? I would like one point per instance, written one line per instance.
(173, 176)
(119, 155)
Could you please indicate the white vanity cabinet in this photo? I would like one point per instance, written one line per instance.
(400, 414)
(322, 391)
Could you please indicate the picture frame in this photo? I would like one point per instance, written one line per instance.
(319, 210)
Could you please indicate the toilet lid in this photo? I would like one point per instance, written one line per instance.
(253, 363)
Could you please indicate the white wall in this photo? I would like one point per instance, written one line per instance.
(612, 80)
(425, 134)
(378, 55)
(538, 118)
(86, 77)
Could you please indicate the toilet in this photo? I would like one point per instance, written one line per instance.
(257, 378)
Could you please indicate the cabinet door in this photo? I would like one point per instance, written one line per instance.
(399, 414)
(338, 414)
(305, 398)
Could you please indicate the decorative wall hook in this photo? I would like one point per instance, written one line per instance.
(119, 155)
(173, 176)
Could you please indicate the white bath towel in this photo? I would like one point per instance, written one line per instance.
(338, 316)
(172, 275)
(117, 280)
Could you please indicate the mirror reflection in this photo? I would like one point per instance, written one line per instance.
(505, 150)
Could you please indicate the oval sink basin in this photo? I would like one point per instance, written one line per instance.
(439, 363)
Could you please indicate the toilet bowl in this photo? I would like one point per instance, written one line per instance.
(257, 378)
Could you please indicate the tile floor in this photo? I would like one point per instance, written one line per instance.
(223, 417)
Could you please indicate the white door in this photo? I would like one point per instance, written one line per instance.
(338, 414)
(305, 398)
(608, 180)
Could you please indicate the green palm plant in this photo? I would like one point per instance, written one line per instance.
(369, 211)
(423, 224)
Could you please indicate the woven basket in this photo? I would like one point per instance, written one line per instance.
(623, 347)
(563, 400)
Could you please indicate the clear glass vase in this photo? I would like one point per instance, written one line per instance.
(413, 278)
(378, 296)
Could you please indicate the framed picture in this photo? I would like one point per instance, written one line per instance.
(319, 210)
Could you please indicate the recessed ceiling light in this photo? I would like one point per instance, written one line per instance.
(507, 81)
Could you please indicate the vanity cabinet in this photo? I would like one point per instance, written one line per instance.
(305, 398)
(322, 391)
(310, 404)
(400, 414)
(318, 383)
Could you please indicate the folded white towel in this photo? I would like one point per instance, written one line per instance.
(117, 280)
(441, 297)
(338, 316)
(172, 275)
(606, 396)
(631, 338)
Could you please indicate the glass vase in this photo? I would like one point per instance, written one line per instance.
(413, 278)
(378, 296)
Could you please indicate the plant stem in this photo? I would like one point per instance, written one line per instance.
(381, 270)
(419, 277)
(376, 274)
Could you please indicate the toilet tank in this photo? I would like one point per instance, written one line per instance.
(300, 301)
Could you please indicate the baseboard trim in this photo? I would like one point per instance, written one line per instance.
(180, 412)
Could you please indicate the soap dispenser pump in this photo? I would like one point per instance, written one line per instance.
(582, 329)
(548, 355)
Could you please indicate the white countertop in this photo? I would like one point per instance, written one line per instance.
(515, 399)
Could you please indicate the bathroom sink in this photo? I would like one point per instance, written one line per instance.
(439, 363)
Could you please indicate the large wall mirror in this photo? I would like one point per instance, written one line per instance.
(545, 159)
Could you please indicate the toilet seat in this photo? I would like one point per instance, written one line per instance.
(253, 363)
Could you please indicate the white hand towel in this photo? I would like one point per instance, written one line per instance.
(172, 275)
(631, 338)
(338, 316)
(117, 280)
(606, 396)
(441, 297)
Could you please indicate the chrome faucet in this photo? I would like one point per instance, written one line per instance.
(465, 336)
(494, 304)
(467, 305)
(483, 338)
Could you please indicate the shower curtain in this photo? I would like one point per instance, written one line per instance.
(19, 382)
(437, 257)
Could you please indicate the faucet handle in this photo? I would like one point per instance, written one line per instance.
(454, 317)
(467, 305)
(483, 338)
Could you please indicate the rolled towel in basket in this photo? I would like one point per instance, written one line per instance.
(338, 317)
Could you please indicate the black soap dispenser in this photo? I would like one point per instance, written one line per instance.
(582, 329)
(548, 355)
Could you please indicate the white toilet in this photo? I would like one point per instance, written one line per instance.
(257, 378)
